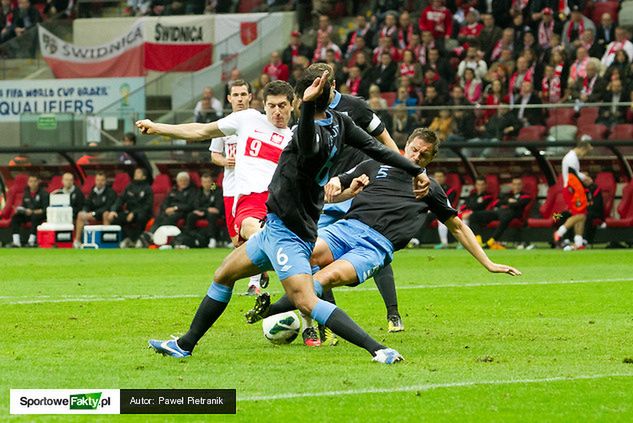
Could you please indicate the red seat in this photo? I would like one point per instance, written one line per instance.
(607, 184)
(55, 183)
(532, 133)
(248, 6)
(597, 132)
(390, 97)
(13, 200)
(195, 178)
(530, 185)
(554, 203)
(621, 132)
(121, 180)
(20, 181)
(493, 186)
(589, 112)
(161, 188)
(89, 183)
(610, 7)
(455, 183)
(625, 210)
(560, 117)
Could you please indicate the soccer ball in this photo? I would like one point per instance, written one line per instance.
(281, 328)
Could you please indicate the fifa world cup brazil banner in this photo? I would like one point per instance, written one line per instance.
(163, 44)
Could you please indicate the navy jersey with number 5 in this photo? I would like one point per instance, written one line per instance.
(296, 190)
(388, 204)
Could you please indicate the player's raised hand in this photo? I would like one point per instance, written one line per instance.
(421, 185)
(146, 126)
(502, 268)
(314, 91)
(358, 184)
(332, 189)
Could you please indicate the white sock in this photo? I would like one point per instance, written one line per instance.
(442, 231)
(254, 280)
(16, 239)
(31, 239)
(562, 230)
(578, 240)
(306, 321)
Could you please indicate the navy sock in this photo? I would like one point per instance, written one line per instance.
(387, 287)
(210, 309)
(282, 305)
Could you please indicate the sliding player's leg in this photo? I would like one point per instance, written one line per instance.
(240, 263)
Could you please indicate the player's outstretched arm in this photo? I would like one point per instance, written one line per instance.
(185, 131)
(385, 138)
(306, 138)
(466, 237)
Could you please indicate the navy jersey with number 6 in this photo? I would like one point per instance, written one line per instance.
(388, 204)
(296, 190)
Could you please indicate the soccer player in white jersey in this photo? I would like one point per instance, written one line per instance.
(223, 152)
(260, 141)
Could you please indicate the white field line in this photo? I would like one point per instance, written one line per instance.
(25, 299)
(426, 387)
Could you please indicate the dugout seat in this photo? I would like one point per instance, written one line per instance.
(54, 183)
(597, 132)
(161, 188)
(625, 210)
(89, 183)
(195, 178)
(390, 97)
(532, 133)
(493, 186)
(621, 132)
(121, 180)
(554, 203)
(606, 182)
(560, 117)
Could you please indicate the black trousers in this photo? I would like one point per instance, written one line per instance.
(19, 219)
(479, 219)
(132, 229)
(212, 230)
(163, 219)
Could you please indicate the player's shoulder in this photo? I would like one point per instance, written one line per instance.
(248, 114)
(435, 189)
(352, 100)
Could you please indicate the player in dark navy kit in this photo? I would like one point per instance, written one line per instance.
(357, 109)
(294, 205)
(382, 219)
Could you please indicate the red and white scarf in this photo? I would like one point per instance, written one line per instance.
(403, 39)
(581, 29)
(545, 33)
(408, 70)
(496, 51)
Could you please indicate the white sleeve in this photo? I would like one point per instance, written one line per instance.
(628, 48)
(217, 145)
(231, 124)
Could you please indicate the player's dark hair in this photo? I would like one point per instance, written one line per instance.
(33, 175)
(318, 69)
(206, 175)
(313, 72)
(100, 173)
(429, 137)
(480, 178)
(440, 170)
(279, 88)
(240, 83)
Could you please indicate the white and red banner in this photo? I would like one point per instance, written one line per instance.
(227, 25)
(174, 43)
(178, 43)
(121, 57)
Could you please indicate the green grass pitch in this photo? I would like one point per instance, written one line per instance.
(552, 345)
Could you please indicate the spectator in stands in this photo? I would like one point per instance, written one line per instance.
(76, 196)
(25, 16)
(621, 66)
(612, 113)
(510, 206)
(276, 69)
(474, 62)
(235, 75)
(407, 30)
(605, 33)
(473, 87)
(262, 81)
(295, 49)
(216, 105)
(296, 74)
(621, 42)
(592, 87)
(440, 177)
(405, 99)
(388, 29)
(552, 85)
(178, 204)
(546, 29)
(323, 45)
(325, 28)
(478, 199)
(437, 19)
(32, 210)
(99, 202)
(578, 69)
(439, 65)
(133, 209)
(506, 42)
(421, 48)
(410, 67)
(363, 30)
(493, 97)
(501, 124)
(208, 205)
(6, 20)
(403, 124)
(384, 73)
(129, 140)
(385, 45)
(442, 124)
(355, 82)
(379, 105)
(471, 30)
(463, 118)
(359, 47)
(205, 114)
(59, 8)
(529, 115)
(431, 98)
(490, 34)
(588, 41)
(523, 73)
(576, 25)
